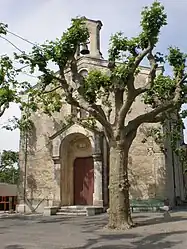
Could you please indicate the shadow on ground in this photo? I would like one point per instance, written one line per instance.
(105, 239)
(155, 241)
(111, 239)
(38, 218)
(160, 220)
(57, 219)
(21, 217)
(92, 223)
(14, 247)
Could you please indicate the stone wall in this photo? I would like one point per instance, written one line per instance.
(42, 176)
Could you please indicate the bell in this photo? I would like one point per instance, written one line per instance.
(84, 49)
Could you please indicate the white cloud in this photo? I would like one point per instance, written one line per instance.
(38, 20)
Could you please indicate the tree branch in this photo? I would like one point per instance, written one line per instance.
(132, 92)
(140, 57)
(125, 108)
(152, 72)
(118, 96)
(2, 110)
(52, 90)
(108, 105)
(152, 116)
(85, 125)
(151, 75)
(79, 101)
(178, 87)
(158, 118)
(131, 96)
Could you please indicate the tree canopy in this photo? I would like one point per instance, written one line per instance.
(9, 167)
(10, 87)
(163, 93)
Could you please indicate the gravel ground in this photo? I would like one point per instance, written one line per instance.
(55, 232)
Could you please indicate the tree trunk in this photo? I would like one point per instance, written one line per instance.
(119, 206)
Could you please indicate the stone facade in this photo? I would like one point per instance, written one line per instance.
(52, 151)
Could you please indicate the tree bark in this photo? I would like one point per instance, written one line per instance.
(119, 205)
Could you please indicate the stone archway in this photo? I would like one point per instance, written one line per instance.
(73, 146)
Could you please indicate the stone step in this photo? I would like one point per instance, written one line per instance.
(78, 213)
(79, 210)
(72, 211)
(73, 208)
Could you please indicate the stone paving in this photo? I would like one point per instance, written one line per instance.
(55, 232)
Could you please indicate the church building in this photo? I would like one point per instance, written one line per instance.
(68, 164)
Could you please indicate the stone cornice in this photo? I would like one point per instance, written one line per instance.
(56, 134)
(56, 159)
(97, 157)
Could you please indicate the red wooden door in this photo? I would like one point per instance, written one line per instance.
(83, 181)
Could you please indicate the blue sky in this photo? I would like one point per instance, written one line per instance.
(39, 20)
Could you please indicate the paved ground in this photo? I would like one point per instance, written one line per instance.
(31, 232)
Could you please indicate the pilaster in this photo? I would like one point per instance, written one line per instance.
(98, 185)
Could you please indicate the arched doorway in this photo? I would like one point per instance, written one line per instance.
(77, 170)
